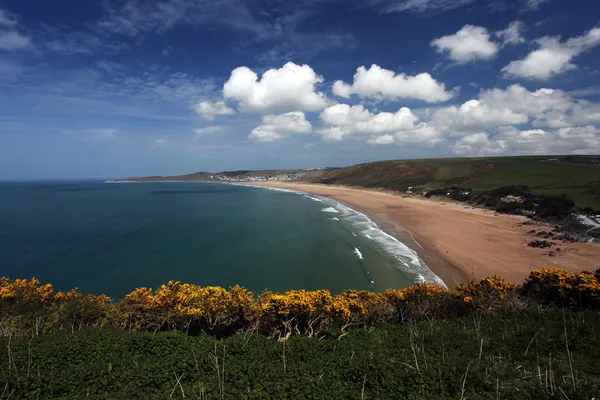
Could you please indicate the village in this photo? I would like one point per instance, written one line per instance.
(247, 178)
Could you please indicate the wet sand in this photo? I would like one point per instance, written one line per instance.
(456, 241)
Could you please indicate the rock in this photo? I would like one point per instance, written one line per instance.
(540, 244)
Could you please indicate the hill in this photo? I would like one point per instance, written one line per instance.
(576, 176)
(234, 176)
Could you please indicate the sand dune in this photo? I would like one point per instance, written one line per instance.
(456, 241)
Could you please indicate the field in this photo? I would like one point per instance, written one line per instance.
(576, 176)
(551, 354)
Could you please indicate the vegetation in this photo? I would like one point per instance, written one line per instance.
(574, 176)
(527, 354)
(29, 308)
(484, 339)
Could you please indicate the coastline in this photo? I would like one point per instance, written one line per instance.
(457, 242)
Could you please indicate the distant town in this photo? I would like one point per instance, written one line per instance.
(247, 178)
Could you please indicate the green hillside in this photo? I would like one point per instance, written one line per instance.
(576, 176)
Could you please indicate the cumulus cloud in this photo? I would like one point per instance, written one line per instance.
(520, 100)
(209, 129)
(477, 144)
(581, 113)
(553, 56)
(510, 140)
(290, 88)
(512, 34)
(355, 122)
(276, 127)
(377, 82)
(513, 120)
(471, 43)
(208, 110)
(383, 139)
(474, 115)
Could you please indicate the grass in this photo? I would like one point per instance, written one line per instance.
(529, 354)
(572, 175)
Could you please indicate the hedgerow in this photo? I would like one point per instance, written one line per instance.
(29, 308)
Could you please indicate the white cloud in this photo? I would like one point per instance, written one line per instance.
(208, 110)
(510, 140)
(475, 144)
(384, 139)
(13, 41)
(506, 121)
(514, 105)
(581, 113)
(520, 100)
(290, 88)
(512, 34)
(377, 82)
(474, 115)
(276, 127)
(7, 19)
(355, 122)
(471, 43)
(553, 56)
(209, 129)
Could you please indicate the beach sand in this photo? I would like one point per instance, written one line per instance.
(456, 241)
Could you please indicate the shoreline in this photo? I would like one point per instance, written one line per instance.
(457, 242)
(445, 270)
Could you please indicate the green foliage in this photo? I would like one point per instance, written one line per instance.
(512, 355)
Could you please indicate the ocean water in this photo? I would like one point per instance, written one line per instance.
(112, 238)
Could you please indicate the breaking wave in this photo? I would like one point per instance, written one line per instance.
(408, 262)
(358, 253)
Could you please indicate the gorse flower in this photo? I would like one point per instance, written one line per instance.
(177, 305)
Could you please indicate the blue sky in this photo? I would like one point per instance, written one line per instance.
(96, 89)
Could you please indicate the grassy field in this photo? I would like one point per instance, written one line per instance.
(512, 355)
(572, 175)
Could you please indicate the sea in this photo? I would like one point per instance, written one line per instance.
(112, 238)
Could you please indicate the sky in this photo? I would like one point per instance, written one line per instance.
(116, 88)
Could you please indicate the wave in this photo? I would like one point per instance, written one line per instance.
(335, 219)
(408, 263)
(358, 254)
(313, 198)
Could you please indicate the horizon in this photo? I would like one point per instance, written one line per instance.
(125, 88)
(96, 179)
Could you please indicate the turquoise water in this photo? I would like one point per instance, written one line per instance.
(112, 238)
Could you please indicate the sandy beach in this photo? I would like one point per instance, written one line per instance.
(458, 242)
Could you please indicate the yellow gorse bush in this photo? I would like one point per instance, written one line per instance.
(28, 305)
(25, 291)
